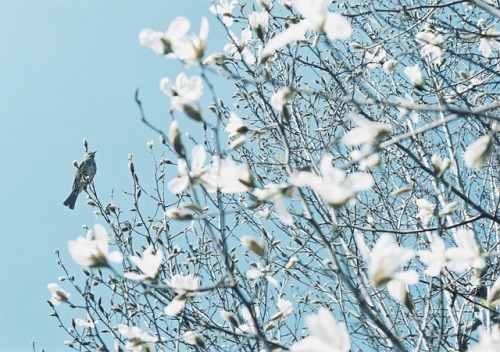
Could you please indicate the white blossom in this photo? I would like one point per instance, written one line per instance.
(489, 340)
(367, 131)
(415, 76)
(228, 176)
(376, 58)
(488, 42)
(476, 154)
(426, 210)
(326, 334)
(285, 308)
(435, 259)
(92, 251)
(58, 294)
(225, 10)
(493, 297)
(190, 49)
(184, 286)
(467, 254)
(279, 99)
(430, 44)
(185, 92)
(149, 265)
(163, 42)
(389, 66)
(238, 48)
(187, 177)
(259, 21)
(235, 127)
(138, 341)
(194, 338)
(264, 271)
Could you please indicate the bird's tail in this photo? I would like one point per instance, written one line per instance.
(71, 200)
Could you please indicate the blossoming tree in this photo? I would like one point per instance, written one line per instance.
(344, 196)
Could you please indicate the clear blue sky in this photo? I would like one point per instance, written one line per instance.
(68, 71)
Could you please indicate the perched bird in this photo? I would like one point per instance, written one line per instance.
(84, 175)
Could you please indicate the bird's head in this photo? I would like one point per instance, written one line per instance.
(90, 155)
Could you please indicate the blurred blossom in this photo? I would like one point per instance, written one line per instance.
(256, 246)
(184, 286)
(285, 308)
(415, 76)
(138, 341)
(235, 127)
(92, 251)
(489, 41)
(262, 271)
(187, 177)
(426, 210)
(58, 294)
(249, 326)
(489, 341)
(430, 44)
(367, 131)
(215, 59)
(440, 165)
(186, 90)
(467, 254)
(435, 259)
(448, 208)
(228, 176)
(292, 262)
(265, 4)
(274, 193)
(194, 338)
(493, 297)
(333, 185)
(163, 42)
(476, 154)
(367, 160)
(86, 323)
(259, 21)
(190, 49)
(225, 10)
(149, 265)
(238, 47)
(279, 99)
(315, 17)
(376, 58)
(326, 334)
(389, 66)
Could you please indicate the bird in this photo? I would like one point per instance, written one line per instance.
(84, 175)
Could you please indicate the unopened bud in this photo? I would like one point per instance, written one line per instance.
(258, 248)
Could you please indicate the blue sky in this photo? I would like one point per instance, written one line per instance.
(68, 71)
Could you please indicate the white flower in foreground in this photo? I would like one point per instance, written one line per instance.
(163, 42)
(366, 158)
(435, 258)
(274, 193)
(430, 44)
(440, 165)
(184, 286)
(149, 264)
(476, 154)
(415, 76)
(426, 210)
(249, 326)
(367, 131)
(259, 21)
(138, 341)
(190, 49)
(489, 341)
(194, 338)
(187, 177)
(316, 17)
(285, 308)
(235, 127)
(488, 42)
(186, 91)
(389, 66)
(256, 246)
(326, 334)
(376, 58)
(225, 10)
(467, 254)
(333, 185)
(238, 47)
(493, 297)
(92, 251)
(279, 99)
(58, 294)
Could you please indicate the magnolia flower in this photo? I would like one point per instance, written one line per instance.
(389, 66)
(493, 297)
(256, 246)
(149, 264)
(184, 286)
(187, 177)
(229, 317)
(489, 41)
(225, 10)
(194, 338)
(315, 17)
(215, 59)
(265, 4)
(259, 21)
(415, 76)
(376, 58)
(326, 334)
(467, 254)
(86, 323)
(249, 326)
(435, 258)
(238, 48)
(235, 127)
(274, 193)
(476, 154)
(185, 92)
(262, 271)
(163, 42)
(430, 44)
(426, 210)
(228, 176)
(92, 251)
(489, 341)
(279, 99)
(366, 158)
(440, 165)
(190, 49)
(292, 262)
(58, 294)
(333, 185)
(285, 308)
(367, 131)
(138, 341)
